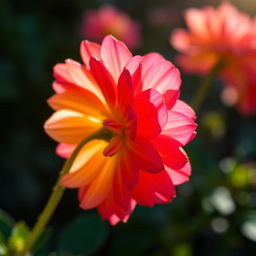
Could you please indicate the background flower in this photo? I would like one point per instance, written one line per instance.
(109, 20)
(222, 34)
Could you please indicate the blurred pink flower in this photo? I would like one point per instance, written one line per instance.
(224, 34)
(109, 20)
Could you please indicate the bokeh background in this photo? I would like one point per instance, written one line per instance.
(213, 214)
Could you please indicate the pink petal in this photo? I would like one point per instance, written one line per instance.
(65, 150)
(151, 113)
(180, 40)
(181, 175)
(115, 55)
(185, 109)
(180, 127)
(160, 74)
(89, 49)
(83, 78)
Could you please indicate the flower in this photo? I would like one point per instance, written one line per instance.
(136, 98)
(109, 20)
(221, 34)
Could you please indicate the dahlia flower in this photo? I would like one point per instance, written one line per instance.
(109, 20)
(222, 34)
(136, 99)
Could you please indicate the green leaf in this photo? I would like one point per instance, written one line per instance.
(18, 239)
(6, 224)
(20, 230)
(3, 248)
(85, 235)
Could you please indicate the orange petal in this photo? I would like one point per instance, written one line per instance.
(100, 186)
(78, 100)
(71, 127)
(87, 165)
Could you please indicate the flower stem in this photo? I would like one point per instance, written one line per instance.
(205, 85)
(58, 191)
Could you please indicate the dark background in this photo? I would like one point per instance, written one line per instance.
(213, 214)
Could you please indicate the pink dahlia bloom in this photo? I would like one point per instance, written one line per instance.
(222, 34)
(137, 99)
(109, 20)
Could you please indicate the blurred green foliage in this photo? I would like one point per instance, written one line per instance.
(213, 214)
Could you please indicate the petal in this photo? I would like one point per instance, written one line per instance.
(87, 165)
(154, 189)
(145, 155)
(100, 187)
(124, 92)
(71, 127)
(135, 68)
(113, 146)
(65, 150)
(181, 175)
(120, 192)
(185, 109)
(83, 78)
(170, 151)
(160, 74)
(180, 40)
(115, 56)
(112, 211)
(89, 49)
(151, 113)
(104, 80)
(180, 127)
(79, 100)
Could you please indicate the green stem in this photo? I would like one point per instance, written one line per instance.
(58, 191)
(205, 85)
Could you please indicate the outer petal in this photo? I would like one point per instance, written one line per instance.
(71, 127)
(100, 187)
(175, 160)
(179, 176)
(112, 211)
(170, 151)
(65, 150)
(79, 100)
(151, 113)
(180, 40)
(115, 56)
(83, 78)
(89, 49)
(87, 165)
(185, 109)
(160, 74)
(154, 189)
(180, 127)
